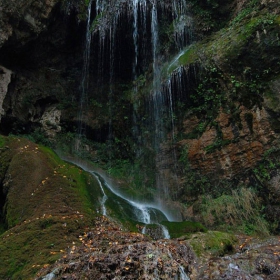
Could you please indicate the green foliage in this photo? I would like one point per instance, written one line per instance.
(38, 136)
(96, 21)
(240, 210)
(248, 12)
(268, 165)
(218, 144)
(95, 104)
(166, 31)
(28, 247)
(208, 97)
(187, 57)
(65, 142)
(242, 15)
(210, 15)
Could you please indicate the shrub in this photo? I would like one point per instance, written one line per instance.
(240, 210)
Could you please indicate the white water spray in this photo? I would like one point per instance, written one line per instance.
(183, 275)
(104, 198)
(165, 232)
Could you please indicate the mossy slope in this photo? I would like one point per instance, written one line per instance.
(48, 204)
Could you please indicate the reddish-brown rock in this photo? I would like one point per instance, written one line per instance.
(238, 147)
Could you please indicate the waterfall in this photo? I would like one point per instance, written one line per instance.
(135, 34)
(143, 211)
(99, 9)
(139, 14)
(84, 83)
(145, 17)
(162, 99)
(171, 112)
(182, 24)
(165, 232)
(104, 198)
(183, 275)
(100, 6)
(157, 100)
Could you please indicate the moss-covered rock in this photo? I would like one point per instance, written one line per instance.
(212, 242)
(178, 229)
(48, 204)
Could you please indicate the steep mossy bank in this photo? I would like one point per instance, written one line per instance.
(48, 205)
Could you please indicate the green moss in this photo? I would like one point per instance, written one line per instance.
(217, 145)
(229, 42)
(214, 242)
(188, 57)
(120, 210)
(28, 247)
(49, 204)
(177, 229)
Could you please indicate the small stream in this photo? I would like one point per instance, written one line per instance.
(146, 213)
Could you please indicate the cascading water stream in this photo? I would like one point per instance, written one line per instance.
(84, 82)
(104, 198)
(146, 213)
(162, 99)
(139, 8)
(165, 232)
(183, 275)
(159, 98)
(100, 6)
(135, 34)
(143, 211)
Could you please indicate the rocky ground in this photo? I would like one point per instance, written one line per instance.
(107, 252)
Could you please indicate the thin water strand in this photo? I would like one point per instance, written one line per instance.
(84, 82)
(165, 232)
(104, 198)
(183, 275)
